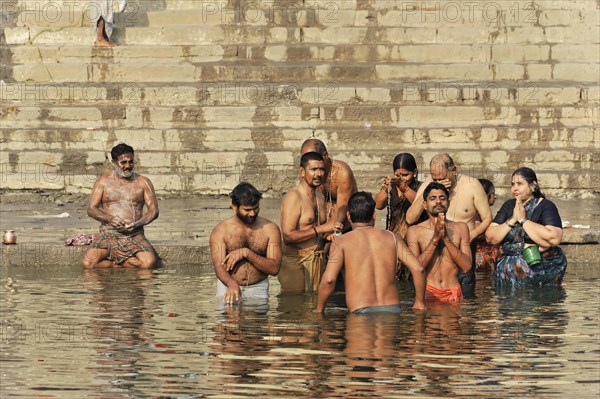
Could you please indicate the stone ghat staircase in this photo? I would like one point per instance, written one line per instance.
(212, 92)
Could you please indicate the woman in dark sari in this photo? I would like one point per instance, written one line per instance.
(528, 220)
(397, 194)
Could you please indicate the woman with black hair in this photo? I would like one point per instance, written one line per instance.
(529, 230)
(397, 194)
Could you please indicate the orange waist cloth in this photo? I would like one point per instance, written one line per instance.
(453, 294)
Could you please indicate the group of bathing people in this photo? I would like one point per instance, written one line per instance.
(433, 231)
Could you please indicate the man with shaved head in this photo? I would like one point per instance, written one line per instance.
(338, 182)
(467, 200)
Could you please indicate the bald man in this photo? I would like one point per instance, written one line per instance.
(467, 200)
(338, 183)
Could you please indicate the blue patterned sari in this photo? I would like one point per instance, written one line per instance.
(512, 269)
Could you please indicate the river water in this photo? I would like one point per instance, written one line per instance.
(68, 333)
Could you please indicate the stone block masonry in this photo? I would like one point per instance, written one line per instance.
(214, 92)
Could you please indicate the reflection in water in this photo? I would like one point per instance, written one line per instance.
(163, 334)
(370, 353)
(239, 342)
(117, 328)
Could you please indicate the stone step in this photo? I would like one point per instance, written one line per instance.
(299, 72)
(362, 117)
(539, 144)
(213, 166)
(54, 146)
(231, 34)
(59, 14)
(360, 53)
(533, 95)
(289, 14)
(423, 6)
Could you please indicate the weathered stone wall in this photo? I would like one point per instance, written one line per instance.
(214, 92)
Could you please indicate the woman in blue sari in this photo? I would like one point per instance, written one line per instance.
(527, 220)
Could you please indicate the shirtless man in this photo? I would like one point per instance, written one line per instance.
(245, 249)
(117, 201)
(442, 246)
(304, 226)
(467, 200)
(338, 182)
(370, 257)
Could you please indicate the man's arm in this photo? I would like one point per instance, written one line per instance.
(482, 206)
(345, 190)
(334, 265)
(413, 239)
(269, 264)
(94, 211)
(218, 251)
(415, 210)
(151, 203)
(290, 219)
(417, 271)
(462, 256)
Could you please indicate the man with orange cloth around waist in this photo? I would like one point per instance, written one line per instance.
(441, 245)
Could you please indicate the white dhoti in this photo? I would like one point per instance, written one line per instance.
(105, 9)
(259, 290)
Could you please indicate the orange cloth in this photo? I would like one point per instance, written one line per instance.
(450, 295)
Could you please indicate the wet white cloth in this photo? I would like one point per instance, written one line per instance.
(106, 10)
(258, 290)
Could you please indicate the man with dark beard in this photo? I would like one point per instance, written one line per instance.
(245, 248)
(305, 228)
(442, 246)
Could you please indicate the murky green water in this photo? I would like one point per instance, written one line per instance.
(134, 334)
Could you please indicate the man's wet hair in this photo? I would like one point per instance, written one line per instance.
(120, 149)
(361, 207)
(319, 145)
(245, 194)
(435, 186)
(310, 156)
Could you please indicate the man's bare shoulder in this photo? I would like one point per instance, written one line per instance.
(354, 235)
(468, 183)
(104, 178)
(293, 194)
(456, 225)
(342, 165)
(143, 179)
(417, 230)
(423, 225)
(222, 227)
(267, 224)
(344, 169)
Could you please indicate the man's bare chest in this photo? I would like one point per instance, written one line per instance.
(256, 242)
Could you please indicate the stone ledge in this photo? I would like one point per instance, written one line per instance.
(56, 255)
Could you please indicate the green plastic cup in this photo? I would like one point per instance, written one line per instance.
(532, 255)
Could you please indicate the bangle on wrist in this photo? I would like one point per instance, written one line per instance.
(403, 189)
(316, 232)
(522, 221)
(509, 225)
